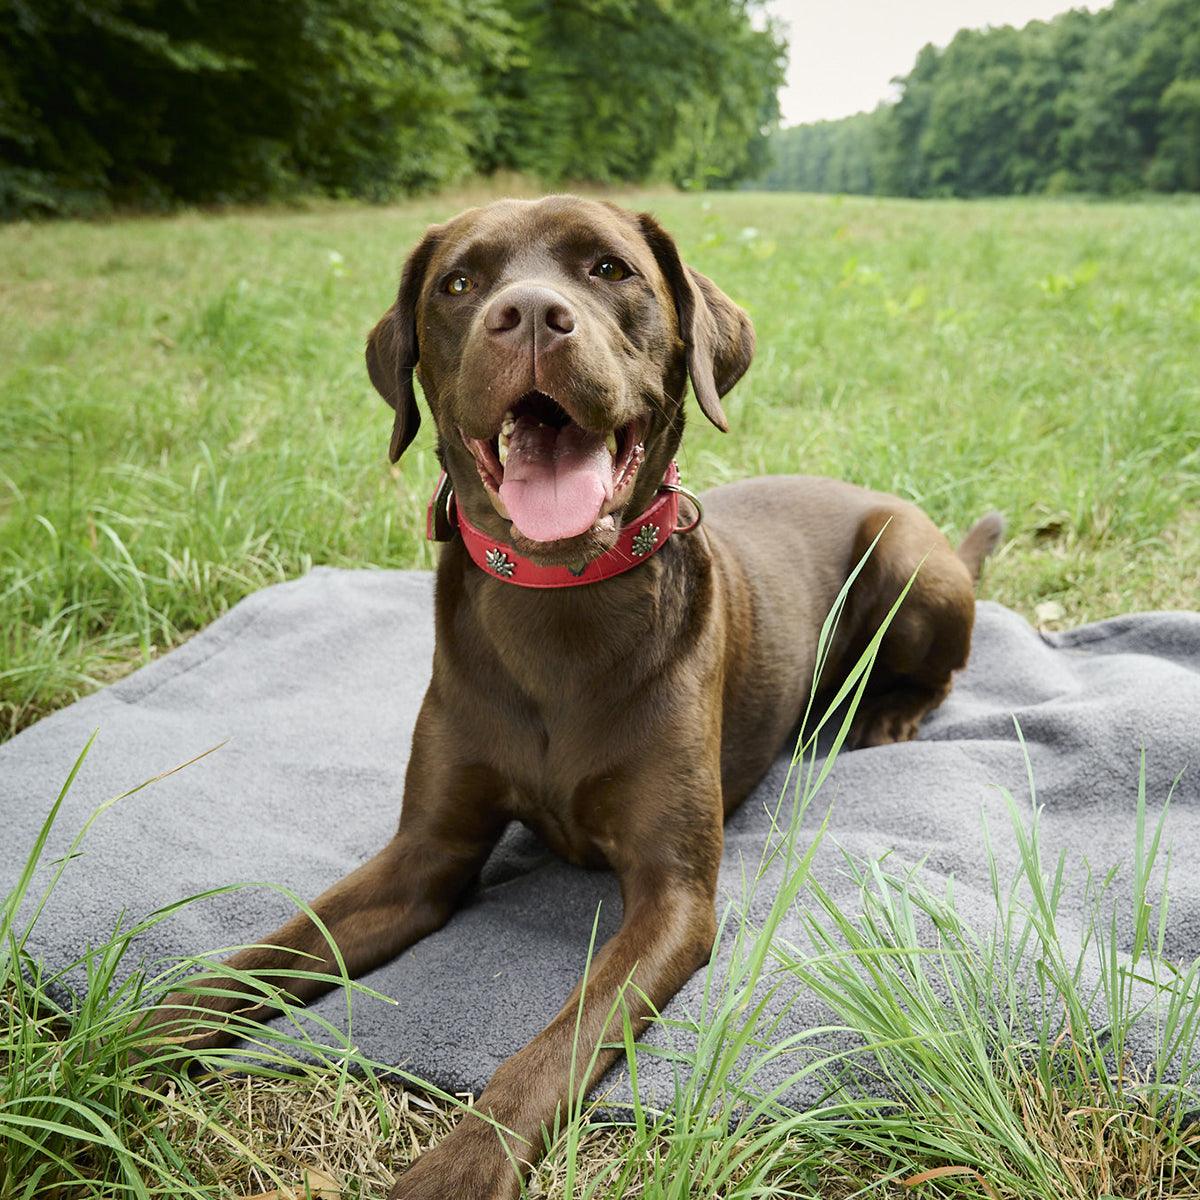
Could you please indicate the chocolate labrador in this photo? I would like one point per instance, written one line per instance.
(608, 670)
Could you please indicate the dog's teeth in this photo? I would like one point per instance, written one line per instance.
(508, 427)
(611, 442)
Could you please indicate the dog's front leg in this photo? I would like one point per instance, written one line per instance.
(669, 892)
(448, 825)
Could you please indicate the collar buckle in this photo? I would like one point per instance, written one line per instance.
(441, 519)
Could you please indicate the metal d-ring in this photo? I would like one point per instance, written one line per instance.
(690, 495)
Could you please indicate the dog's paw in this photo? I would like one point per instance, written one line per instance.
(895, 715)
(883, 729)
(460, 1168)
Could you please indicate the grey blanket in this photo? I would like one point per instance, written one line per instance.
(314, 686)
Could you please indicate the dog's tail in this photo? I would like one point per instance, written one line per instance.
(982, 538)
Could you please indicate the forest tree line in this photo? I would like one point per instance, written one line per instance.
(154, 103)
(1105, 102)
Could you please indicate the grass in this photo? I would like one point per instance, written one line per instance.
(185, 414)
(91, 1107)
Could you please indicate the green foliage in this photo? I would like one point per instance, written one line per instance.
(157, 102)
(152, 101)
(1105, 102)
(1177, 164)
(826, 156)
(622, 90)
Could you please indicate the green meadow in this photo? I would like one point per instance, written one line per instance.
(185, 414)
(185, 417)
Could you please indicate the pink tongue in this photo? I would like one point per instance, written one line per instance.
(555, 480)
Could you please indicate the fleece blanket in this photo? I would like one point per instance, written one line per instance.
(313, 687)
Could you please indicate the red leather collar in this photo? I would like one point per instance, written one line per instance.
(638, 541)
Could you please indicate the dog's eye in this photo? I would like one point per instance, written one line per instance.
(612, 269)
(459, 285)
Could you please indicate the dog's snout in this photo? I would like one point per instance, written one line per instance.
(530, 311)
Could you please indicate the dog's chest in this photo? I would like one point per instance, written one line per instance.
(577, 826)
(560, 696)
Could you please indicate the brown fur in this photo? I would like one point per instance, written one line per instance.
(623, 720)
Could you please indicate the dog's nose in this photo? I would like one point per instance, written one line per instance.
(530, 310)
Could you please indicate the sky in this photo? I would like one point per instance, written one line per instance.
(844, 53)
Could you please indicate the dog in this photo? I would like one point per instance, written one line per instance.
(609, 669)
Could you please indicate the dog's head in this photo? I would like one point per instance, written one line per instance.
(553, 340)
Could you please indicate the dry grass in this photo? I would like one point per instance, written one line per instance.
(253, 1132)
(361, 1137)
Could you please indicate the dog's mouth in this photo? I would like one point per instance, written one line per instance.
(552, 478)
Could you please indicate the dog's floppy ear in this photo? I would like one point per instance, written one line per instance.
(392, 351)
(717, 333)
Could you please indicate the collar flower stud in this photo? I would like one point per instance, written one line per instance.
(498, 561)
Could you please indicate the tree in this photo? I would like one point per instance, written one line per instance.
(165, 101)
(1102, 102)
(621, 90)
(1177, 163)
